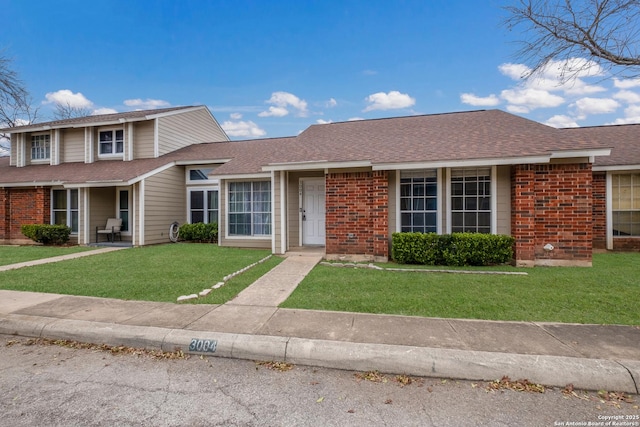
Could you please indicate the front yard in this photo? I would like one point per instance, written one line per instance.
(152, 273)
(16, 254)
(607, 293)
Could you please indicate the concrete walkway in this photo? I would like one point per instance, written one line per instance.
(251, 326)
(58, 258)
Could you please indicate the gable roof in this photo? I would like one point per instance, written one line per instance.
(625, 140)
(100, 119)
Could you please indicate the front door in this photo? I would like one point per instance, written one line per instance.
(313, 213)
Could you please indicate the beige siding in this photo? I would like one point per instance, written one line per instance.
(193, 127)
(276, 227)
(504, 200)
(72, 145)
(164, 203)
(143, 140)
(14, 149)
(102, 205)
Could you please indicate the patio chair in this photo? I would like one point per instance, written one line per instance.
(110, 229)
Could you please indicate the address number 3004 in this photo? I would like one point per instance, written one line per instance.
(204, 346)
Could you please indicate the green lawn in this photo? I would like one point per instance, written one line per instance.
(16, 254)
(607, 293)
(151, 273)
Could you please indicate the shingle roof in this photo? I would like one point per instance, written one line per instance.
(100, 118)
(625, 140)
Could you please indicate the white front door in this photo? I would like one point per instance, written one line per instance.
(313, 213)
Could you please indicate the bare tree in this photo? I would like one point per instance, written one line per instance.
(15, 103)
(605, 32)
(67, 111)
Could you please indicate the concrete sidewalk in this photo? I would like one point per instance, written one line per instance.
(252, 327)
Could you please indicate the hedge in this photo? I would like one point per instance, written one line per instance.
(455, 249)
(199, 232)
(47, 234)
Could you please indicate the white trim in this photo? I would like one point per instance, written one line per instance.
(316, 164)
(300, 207)
(616, 168)
(141, 209)
(85, 215)
(263, 237)
(245, 177)
(130, 200)
(156, 138)
(88, 144)
(398, 212)
(31, 184)
(273, 210)
(439, 200)
(566, 154)
(189, 181)
(202, 162)
(204, 189)
(494, 199)
(609, 211)
(55, 148)
(114, 154)
(132, 220)
(447, 209)
(129, 142)
(283, 212)
(301, 197)
(462, 163)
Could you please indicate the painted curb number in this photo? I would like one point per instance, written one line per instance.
(203, 346)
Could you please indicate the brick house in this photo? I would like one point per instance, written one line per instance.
(342, 186)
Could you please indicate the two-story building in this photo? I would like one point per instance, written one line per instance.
(346, 187)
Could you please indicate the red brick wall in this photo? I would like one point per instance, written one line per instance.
(357, 214)
(555, 202)
(23, 206)
(599, 210)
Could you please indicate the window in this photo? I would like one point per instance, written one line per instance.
(418, 201)
(471, 200)
(626, 204)
(203, 206)
(40, 147)
(250, 208)
(64, 208)
(111, 141)
(123, 209)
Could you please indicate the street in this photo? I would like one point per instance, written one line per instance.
(46, 384)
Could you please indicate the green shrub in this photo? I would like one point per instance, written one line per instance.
(199, 232)
(455, 249)
(47, 234)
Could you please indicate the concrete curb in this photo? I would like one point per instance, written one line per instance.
(556, 371)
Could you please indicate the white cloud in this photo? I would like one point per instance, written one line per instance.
(487, 101)
(66, 97)
(281, 101)
(526, 99)
(514, 71)
(626, 83)
(98, 111)
(355, 119)
(331, 103)
(628, 96)
(274, 112)
(323, 122)
(146, 104)
(235, 116)
(631, 116)
(586, 106)
(389, 101)
(243, 128)
(517, 109)
(561, 121)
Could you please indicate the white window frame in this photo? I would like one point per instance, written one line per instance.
(228, 235)
(200, 181)
(46, 148)
(206, 210)
(114, 143)
(119, 209)
(69, 210)
(437, 175)
(634, 188)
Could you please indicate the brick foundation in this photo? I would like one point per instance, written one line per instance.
(357, 214)
(20, 206)
(552, 204)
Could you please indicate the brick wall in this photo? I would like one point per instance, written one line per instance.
(599, 187)
(357, 214)
(552, 204)
(23, 206)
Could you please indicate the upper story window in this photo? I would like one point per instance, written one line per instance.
(40, 147)
(111, 141)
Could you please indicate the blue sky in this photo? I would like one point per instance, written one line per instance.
(272, 68)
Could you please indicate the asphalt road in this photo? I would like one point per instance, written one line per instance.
(54, 385)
